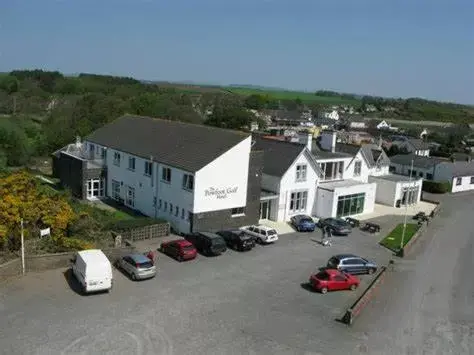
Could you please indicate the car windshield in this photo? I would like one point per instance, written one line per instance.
(271, 232)
(244, 237)
(306, 220)
(188, 248)
(323, 275)
(340, 222)
(144, 265)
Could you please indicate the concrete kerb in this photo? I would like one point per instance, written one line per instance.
(356, 308)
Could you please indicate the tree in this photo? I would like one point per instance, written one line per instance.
(255, 101)
(230, 117)
(14, 143)
(9, 83)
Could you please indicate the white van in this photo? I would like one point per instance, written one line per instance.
(93, 270)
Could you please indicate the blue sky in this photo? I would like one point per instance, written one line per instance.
(407, 48)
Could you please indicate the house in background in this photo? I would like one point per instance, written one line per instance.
(357, 125)
(459, 173)
(384, 126)
(411, 145)
(290, 178)
(332, 115)
(196, 177)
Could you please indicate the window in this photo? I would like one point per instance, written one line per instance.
(458, 181)
(148, 168)
(102, 152)
(392, 169)
(154, 201)
(421, 174)
(117, 158)
(350, 204)
(166, 175)
(332, 170)
(298, 201)
(166, 206)
(115, 190)
(95, 188)
(159, 204)
(171, 208)
(357, 168)
(177, 211)
(429, 176)
(130, 200)
(301, 172)
(190, 216)
(131, 163)
(472, 180)
(239, 211)
(188, 182)
(182, 213)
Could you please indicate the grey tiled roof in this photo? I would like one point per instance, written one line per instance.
(461, 168)
(372, 153)
(419, 144)
(278, 156)
(418, 161)
(182, 145)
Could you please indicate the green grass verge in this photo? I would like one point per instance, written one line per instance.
(393, 239)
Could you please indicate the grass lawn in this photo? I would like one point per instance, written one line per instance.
(291, 95)
(393, 239)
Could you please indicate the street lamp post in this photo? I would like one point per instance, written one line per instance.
(406, 211)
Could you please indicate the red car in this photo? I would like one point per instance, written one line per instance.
(179, 249)
(331, 280)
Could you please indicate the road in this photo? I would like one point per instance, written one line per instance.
(426, 305)
(237, 303)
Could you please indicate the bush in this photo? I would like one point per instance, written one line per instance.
(436, 187)
(138, 222)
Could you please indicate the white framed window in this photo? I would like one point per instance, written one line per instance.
(116, 190)
(149, 168)
(166, 175)
(188, 182)
(458, 181)
(332, 170)
(131, 163)
(171, 208)
(301, 172)
(117, 158)
(130, 200)
(176, 213)
(160, 204)
(472, 180)
(190, 216)
(95, 188)
(183, 213)
(166, 206)
(298, 201)
(357, 168)
(239, 211)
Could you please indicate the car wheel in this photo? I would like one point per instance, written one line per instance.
(353, 287)
(179, 258)
(134, 277)
(370, 271)
(260, 240)
(324, 290)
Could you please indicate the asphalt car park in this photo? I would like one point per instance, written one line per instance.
(255, 302)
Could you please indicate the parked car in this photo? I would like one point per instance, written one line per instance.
(261, 234)
(180, 249)
(336, 225)
(352, 264)
(92, 270)
(237, 239)
(137, 266)
(208, 243)
(333, 280)
(303, 223)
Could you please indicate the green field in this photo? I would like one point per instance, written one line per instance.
(292, 95)
(393, 240)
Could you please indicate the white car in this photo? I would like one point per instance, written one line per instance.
(262, 234)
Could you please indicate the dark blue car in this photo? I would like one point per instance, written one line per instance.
(303, 223)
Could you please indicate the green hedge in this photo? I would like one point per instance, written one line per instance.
(436, 187)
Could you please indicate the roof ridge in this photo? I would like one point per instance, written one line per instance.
(211, 128)
(283, 141)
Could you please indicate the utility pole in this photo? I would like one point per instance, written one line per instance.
(22, 249)
(406, 210)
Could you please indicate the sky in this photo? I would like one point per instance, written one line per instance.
(394, 48)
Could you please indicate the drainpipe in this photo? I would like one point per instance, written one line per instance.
(156, 189)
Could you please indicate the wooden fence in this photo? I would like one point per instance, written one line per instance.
(146, 232)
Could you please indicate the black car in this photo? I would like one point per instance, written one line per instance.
(208, 243)
(352, 264)
(336, 225)
(237, 239)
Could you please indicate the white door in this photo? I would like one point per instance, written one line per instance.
(130, 199)
(95, 188)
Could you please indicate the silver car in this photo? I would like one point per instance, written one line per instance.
(137, 266)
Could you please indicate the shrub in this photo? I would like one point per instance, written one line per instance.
(138, 222)
(436, 187)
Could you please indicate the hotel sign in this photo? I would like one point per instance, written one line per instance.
(221, 193)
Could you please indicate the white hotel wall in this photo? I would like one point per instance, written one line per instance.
(465, 184)
(230, 170)
(349, 169)
(288, 184)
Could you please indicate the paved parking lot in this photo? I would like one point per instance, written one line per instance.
(237, 303)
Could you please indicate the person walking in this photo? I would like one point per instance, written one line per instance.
(152, 256)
